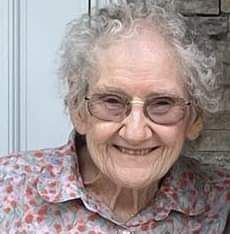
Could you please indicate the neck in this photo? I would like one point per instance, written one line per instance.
(124, 202)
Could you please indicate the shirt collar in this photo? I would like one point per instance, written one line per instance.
(182, 189)
(60, 178)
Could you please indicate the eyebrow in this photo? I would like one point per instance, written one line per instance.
(164, 94)
(109, 89)
(119, 91)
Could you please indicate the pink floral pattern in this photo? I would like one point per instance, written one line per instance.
(42, 192)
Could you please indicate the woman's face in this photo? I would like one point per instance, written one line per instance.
(136, 152)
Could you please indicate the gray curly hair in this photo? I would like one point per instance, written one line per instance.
(78, 63)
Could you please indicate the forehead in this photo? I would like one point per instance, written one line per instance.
(140, 65)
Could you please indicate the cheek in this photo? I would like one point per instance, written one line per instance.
(98, 138)
(172, 135)
(101, 132)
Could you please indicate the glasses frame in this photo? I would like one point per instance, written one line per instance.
(178, 102)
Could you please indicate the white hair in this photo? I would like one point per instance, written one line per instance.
(116, 20)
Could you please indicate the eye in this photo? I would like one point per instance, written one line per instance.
(160, 105)
(112, 99)
(113, 102)
(163, 101)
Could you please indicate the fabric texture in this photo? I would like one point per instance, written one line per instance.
(43, 192)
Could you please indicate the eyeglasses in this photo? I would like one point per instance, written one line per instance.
(160, 109)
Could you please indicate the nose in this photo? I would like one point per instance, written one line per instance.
(135, 128)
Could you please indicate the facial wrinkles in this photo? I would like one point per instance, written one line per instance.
(158, 159)
(126, 145)
(164, 165)
(141, 87)
(101, 126)
(138, 72)
(142, 79)
(111, 165)
(139, 130)
(148, 68)
(160, 164)
(171, 147)
(103, 158)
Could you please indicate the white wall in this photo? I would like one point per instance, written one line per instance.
(31, 112)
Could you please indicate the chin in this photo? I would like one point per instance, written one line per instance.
(132, 178)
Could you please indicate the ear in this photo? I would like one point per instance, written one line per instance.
(79, 121)
(195, 128)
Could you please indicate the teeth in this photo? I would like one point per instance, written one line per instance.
(134, 151)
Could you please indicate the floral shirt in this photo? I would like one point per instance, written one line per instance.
(43, 192)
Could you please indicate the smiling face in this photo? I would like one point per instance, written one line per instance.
(135, 152)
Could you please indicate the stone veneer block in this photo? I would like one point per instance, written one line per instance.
(224, 51)
(210, 25)
(219, 121)
(226, 75)
(217, 158)
(225, 6)
(227, 100)
(208, 7)
(213, 140)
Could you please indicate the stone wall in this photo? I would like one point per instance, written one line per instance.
(212, 18)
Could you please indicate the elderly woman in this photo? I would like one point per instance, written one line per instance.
(138, 88)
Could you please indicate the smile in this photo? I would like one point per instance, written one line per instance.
(139, 152)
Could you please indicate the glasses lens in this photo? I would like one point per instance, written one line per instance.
(107, 107)
(165, 110)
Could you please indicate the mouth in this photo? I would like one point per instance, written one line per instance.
(132, 151)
